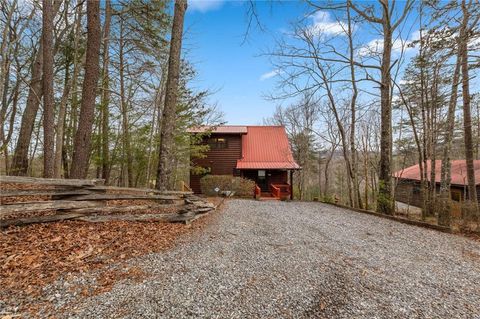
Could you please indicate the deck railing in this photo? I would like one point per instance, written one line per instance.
(275, 190)
(280, 190)
(257, 192)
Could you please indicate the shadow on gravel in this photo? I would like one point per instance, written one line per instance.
(332, 299)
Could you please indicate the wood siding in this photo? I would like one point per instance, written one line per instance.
(409, 192)
(220, 161)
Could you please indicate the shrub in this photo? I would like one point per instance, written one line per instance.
(241, 186)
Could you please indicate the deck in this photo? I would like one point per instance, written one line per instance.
(277, 192)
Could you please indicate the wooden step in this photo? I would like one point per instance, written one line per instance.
(269, 198)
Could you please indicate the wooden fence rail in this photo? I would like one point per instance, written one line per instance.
(90, 200)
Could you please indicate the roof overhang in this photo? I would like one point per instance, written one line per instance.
(267, 165)
(221, 129)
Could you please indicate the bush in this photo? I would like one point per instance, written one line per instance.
(241, 186)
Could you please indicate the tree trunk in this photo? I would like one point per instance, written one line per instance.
(57, 167)
(385, 198)
(169, 110)
(353, 120)
(5, 55)
(156, 118)
(106, 94)
(127, 152)
(48, 99)
(82, 142)
(19, 165)
(69, 82)
(446, 178)
(15, 98)
(467, 120)
(320, 162)
(425, 184)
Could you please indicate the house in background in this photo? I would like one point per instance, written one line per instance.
(259, 153)
(408, 183)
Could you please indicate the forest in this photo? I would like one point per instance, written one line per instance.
(84, 87)
(103, 90)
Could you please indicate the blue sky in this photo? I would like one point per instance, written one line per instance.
(236, 71)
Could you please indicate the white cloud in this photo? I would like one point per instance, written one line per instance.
(324, 24)
(270, 74)
(375, 46)
(415, 35)
(474, 44)
(204, 5)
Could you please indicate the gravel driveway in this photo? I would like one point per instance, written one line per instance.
(302, 260)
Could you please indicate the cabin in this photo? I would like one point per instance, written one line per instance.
(408, 183)
(259, 153)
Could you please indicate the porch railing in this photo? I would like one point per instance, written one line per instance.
(280, 190)
(275, 190)
(257, 192)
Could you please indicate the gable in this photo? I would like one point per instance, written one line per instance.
(266, 147)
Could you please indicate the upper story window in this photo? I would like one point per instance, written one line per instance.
(217, 143)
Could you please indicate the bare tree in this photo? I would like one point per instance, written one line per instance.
(388, 26)
(446, 178)
(20, 161)
(465, 29)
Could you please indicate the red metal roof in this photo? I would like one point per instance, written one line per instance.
(266, 147)
(224, 129)
(458, 172)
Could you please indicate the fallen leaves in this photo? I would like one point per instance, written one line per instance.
(33, 256)
(36, 255)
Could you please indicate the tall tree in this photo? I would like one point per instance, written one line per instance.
(465, 29)
(127, 150)
(388, 26)
(72, 55)
(48, 99)
(20, 161)
(82, 142)
(169, 110)
(446, 177)
(106, 93)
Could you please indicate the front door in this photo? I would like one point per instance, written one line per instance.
(262, 180)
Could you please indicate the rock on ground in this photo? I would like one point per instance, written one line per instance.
(301, 260)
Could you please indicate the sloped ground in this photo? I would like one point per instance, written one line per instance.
(299, 260)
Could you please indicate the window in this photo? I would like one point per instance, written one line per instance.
(217, 143)
(261, 174)
(456, 195)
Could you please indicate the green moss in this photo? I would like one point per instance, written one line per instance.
(384, 199)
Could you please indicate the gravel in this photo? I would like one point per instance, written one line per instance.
(300, 260)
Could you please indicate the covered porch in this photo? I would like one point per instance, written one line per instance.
(271, 184)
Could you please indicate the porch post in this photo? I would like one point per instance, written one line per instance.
(291, 184)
